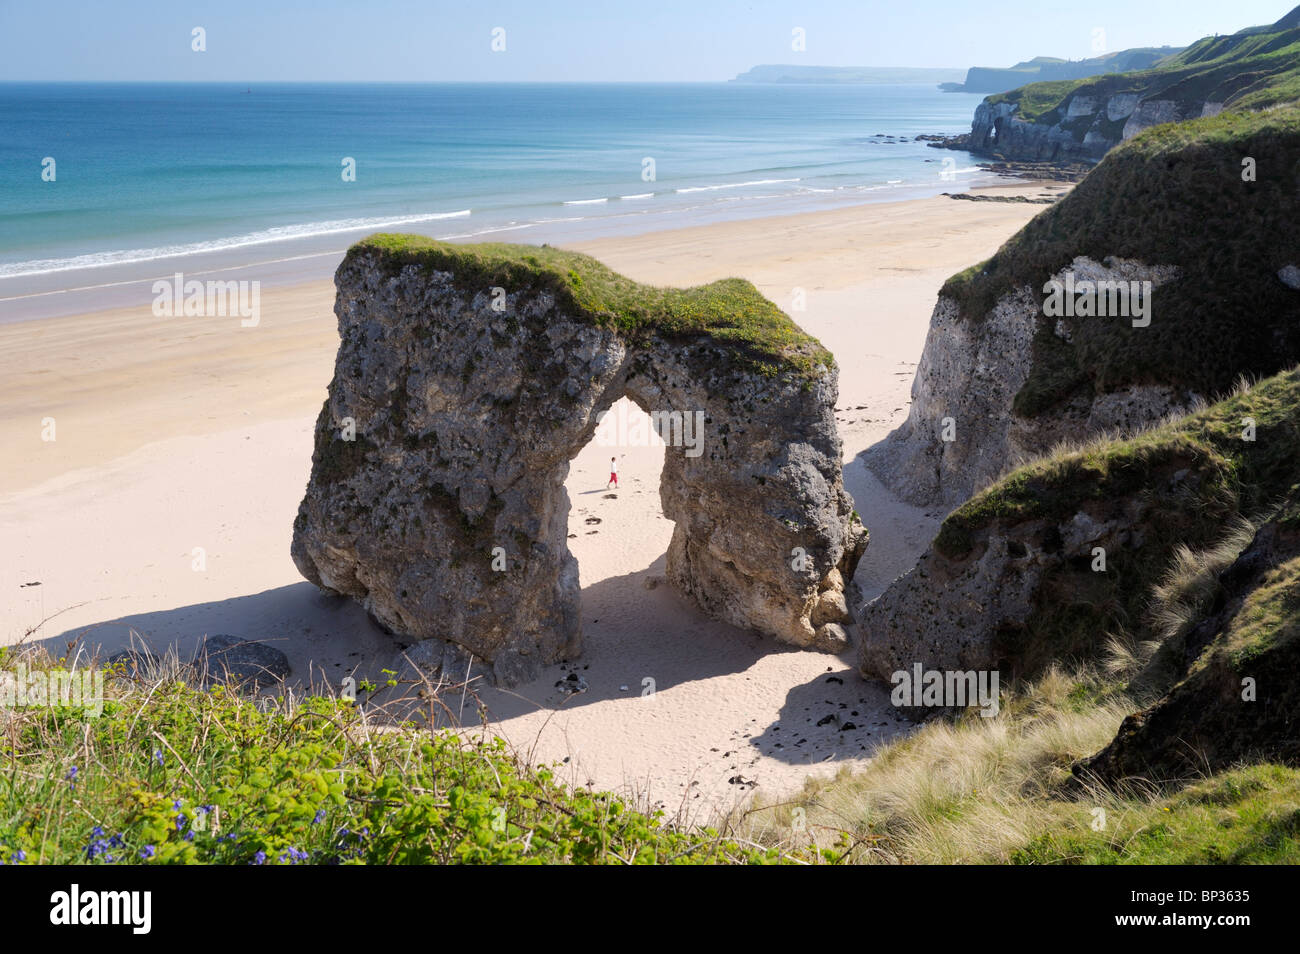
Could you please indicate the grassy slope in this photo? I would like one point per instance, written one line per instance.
(1241, 71)
(1174, 196)
(172, 775)
(731, 312)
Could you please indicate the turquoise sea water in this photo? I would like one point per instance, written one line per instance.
(150, 173)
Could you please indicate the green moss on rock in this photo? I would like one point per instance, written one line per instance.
(1190, 478)
(731, 312)
(1174, 195)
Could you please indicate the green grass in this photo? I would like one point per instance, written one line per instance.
(1249, 815)
(731, 312)
(1000, 791)
(1269, 617)
(171, 774)
(1038, 102)
(1173, 195)
(1241, 71)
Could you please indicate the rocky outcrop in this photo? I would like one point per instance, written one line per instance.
(1041, 567)
(988, 593)
(220, 659)
(468, 377)
(962, 429)
(998, 131)
(1084, 127)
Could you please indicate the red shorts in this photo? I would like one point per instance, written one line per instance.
(613, 478)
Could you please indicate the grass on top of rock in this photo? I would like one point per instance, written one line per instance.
(1249, 474)
(1037, 101)
(732, 311)
(1193, 478)
(1252, 69)
(1173, 195)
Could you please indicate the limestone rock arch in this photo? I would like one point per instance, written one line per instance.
(466, 379)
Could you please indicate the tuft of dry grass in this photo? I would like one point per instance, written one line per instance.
(974, 790)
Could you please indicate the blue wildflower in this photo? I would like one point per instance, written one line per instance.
(147, 852)
(320, 817)
(259, 858)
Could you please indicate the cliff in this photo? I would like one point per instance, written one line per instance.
(984, 79)
(1138, 541)
(1001, 380)
(1082, 119)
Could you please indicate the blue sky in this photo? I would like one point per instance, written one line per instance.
(560, 40)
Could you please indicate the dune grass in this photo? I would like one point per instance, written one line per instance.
(1000, 791)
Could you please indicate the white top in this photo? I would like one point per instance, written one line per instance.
(613, 467)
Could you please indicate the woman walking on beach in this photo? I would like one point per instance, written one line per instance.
(613, 474)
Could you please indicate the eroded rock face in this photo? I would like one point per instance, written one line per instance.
(962, 431)
(446, 516)
(967, 611)
(1084, 126)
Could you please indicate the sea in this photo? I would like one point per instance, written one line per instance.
(107, 186)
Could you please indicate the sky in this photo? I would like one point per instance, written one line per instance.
(572, 40)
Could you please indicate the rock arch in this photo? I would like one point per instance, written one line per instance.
(467, 377)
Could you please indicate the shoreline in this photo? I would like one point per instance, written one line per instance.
(299, 260)
(181, 436)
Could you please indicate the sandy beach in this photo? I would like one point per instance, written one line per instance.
(164, 504)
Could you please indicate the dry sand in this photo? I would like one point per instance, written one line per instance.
(165, 505)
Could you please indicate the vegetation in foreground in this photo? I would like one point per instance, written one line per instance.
(1000, 791)
(173, 774)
